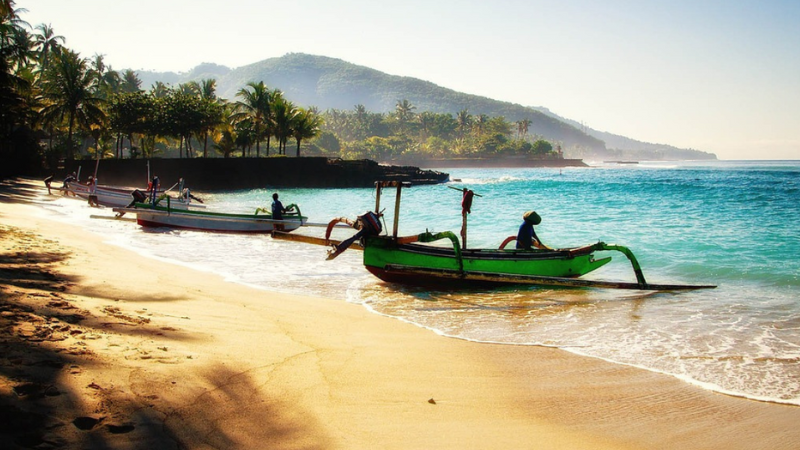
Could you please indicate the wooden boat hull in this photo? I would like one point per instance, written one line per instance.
(424, 264)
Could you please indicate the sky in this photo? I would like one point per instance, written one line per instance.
(721, 76)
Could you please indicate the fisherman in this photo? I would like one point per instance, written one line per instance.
(47, 182)
(92, 182)
(526, 237)
(278, 210)
(69, 179)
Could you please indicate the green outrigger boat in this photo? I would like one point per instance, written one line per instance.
(412, 260)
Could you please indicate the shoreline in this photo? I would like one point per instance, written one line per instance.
(160, 360)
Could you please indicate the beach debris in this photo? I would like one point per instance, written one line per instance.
(431, 401)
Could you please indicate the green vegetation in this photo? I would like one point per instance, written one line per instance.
(406, 135)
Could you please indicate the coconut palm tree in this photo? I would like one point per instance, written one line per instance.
(159, 90)
(108, 80)
(68, 95)
(48, 43)
(213, 114)
(404, 113)
(130, 82)
(255, 104)
(282, 114)
(305, 125)
(464, 120)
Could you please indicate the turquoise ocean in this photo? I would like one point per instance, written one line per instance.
(734, 224)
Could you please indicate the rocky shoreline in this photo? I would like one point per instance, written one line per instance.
(250, 173)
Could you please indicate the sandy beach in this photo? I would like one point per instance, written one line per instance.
(103, 348)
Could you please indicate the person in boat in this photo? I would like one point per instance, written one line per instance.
(187, 195)
(526, 236)
(277, 211)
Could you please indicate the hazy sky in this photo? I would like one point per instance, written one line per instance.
(715, 75)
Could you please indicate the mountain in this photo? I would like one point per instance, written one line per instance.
(621, 147)
(310, 80)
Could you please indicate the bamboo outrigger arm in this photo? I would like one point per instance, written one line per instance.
(637, 269)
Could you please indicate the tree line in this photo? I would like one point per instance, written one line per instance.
(55, 104)
(405, 134)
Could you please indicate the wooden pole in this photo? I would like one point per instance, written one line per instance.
(378, 197)
(464, 229)
(397, 209)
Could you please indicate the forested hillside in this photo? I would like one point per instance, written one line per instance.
(329, 83)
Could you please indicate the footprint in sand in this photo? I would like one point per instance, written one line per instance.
(86, 423)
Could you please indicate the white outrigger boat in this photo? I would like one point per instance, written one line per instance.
(120, 196)
(261, 221)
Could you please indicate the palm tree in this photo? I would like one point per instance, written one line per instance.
(130, 82)
(191, 88)
(108, 80)
(14, 109)
(15, 42)
(255, 105)
(404, 112)
(68, 95)
(522, 128)
(213, 113)
(159, 90)
(48, 44)
(225, 132)
(305, 125)
(464, 120)
(282, 118)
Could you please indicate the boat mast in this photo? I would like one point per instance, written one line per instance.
(399, 185)
(464, 211)
(397, 210)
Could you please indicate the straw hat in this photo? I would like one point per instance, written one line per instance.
(532, 217)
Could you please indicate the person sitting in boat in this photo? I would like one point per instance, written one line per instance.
(187, 195)
(526, 237)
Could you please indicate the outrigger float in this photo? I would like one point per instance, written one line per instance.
(406, 259)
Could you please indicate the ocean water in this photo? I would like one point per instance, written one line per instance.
(729, 223)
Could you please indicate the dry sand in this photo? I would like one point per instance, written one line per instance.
(103, 348)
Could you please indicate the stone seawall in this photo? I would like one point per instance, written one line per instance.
(250, 173)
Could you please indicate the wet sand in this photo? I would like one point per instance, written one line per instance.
(103, 348)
